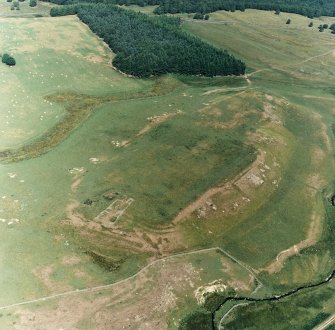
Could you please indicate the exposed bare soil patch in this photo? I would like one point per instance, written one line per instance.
(243, 181)
(156, 120)
(151, 301)
(44, 274)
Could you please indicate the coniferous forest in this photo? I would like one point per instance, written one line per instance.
(150, 46)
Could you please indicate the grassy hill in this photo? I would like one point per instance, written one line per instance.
(216, 184)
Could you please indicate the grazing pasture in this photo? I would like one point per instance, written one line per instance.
(212, 185)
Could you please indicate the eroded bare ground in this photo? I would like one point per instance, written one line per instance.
(205, 199)
(112, 309)
(156, 120)
(145, 301)
(161, 243)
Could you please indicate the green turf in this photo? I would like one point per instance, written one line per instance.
(163, 143)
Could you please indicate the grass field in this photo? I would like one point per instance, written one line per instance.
(42, 9)
(103, 174)
(36, 193)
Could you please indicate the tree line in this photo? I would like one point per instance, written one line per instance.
(141, 3)
(150, 46)
(310, 8)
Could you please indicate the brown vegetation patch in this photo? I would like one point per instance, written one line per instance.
(156, 120)
(143, 302)
(211, 111)
(234, 122)
(245, 181)
(150, 304)
(220, 90)
(70, 260)
(66, 315)
(44, 274)
(270, 114)
(240, 285)
(254, 176)
(316, 182)
(324, 132)
(95, 59)
(318, 156)
(161, 242)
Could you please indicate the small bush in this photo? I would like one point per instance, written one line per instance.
(198, 16)
(7, 59)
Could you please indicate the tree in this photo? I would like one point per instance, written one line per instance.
(206, 17)
(288, 21)
(241, 7)
(325, 26)
(11, 61)
(198, 16)
(310, 24)
(7, 59)
(32, 3)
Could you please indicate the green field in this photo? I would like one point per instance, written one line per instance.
(102, 174)
(42, 9)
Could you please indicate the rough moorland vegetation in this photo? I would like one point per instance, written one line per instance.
(150, 46)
